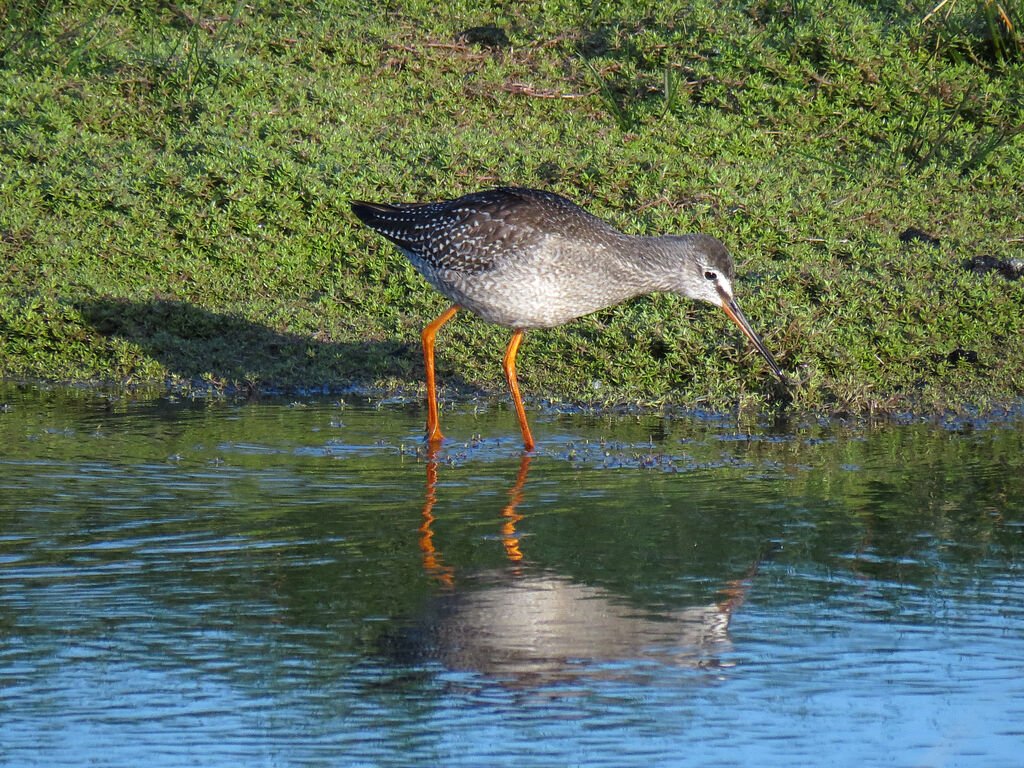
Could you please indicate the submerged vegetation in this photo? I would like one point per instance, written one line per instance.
(174, 181)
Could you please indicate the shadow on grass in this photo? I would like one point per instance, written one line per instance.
(230, 351)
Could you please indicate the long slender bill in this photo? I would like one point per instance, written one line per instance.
(732, 309)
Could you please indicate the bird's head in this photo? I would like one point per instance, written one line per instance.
(699, 267)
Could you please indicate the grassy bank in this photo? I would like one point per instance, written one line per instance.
(174, 183)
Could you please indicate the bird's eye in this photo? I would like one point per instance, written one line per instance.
(710, 275)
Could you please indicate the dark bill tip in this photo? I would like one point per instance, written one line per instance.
(732, 309)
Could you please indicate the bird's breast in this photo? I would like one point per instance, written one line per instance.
(538, 288)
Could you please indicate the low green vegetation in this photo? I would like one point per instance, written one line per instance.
(174, 181)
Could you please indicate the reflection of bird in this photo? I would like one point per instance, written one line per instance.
(527, 259)
(534, 629)
(529, 627)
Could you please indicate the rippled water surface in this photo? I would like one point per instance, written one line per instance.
(273, 583)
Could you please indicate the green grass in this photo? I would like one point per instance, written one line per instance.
(174, 182)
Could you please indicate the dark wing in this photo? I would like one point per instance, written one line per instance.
(477, 232)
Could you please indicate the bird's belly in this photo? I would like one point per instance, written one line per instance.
(526, 298)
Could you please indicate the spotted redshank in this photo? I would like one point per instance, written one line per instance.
(526, 259)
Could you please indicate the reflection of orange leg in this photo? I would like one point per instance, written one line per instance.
(509, 364)
(508, 528)
(433, 425)
(432, 563)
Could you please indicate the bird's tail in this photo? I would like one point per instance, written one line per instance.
(373, 214)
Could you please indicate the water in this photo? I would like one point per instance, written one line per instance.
(275, 583)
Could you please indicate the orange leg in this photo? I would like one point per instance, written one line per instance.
(433, 425)
(509, 364)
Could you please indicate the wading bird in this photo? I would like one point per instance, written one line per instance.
(526, 259)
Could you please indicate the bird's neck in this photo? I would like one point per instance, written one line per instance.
(652, 264)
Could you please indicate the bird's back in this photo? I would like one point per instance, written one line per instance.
(481, 231)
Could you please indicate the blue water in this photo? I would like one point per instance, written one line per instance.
(280, 583)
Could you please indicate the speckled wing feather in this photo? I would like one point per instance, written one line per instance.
(475, 233)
